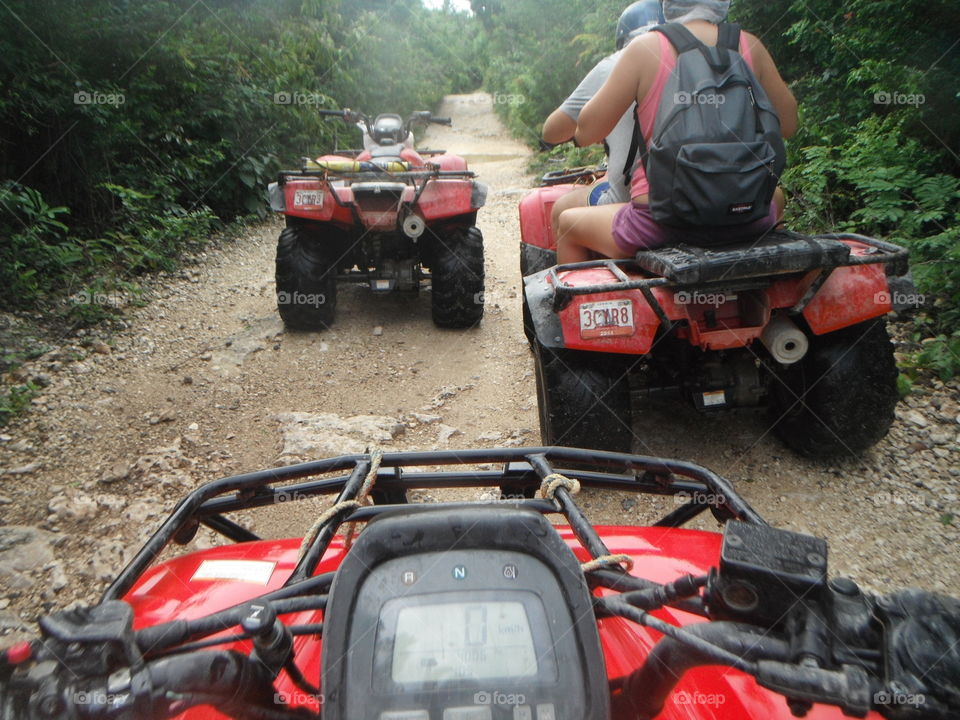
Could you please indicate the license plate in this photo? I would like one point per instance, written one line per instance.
(302, 198)
(606, 318)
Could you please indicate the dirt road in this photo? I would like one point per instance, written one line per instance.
(193, 389)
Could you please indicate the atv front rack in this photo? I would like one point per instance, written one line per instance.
(730, 267)
(522, 471)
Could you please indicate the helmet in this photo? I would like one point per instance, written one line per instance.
(388, 130)
(638, 18)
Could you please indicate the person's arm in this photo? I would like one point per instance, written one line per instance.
(559, 127)
(618, 93)
(769, 76)
(562, 123)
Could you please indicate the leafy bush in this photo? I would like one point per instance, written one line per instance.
(134, 129)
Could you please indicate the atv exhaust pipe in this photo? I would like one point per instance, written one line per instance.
(784, 340)
(413, 226)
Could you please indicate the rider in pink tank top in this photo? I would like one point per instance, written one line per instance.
(647, 111)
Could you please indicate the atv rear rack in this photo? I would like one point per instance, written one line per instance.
(705, 269)
(523, 470)
(374, 173)
(408, 177)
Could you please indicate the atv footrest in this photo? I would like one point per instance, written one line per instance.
(777, 253)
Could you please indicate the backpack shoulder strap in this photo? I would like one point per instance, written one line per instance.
(682, 39)
(729, 36)
(635, 142)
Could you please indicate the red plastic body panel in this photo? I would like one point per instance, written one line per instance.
(645, 320)
(323, 211)
(445, 198)
(448, 161)
(716, 322)
(535, 209)
(168, 592)
(849, 296)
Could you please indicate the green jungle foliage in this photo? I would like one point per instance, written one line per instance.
(878, 150)
(132, 130)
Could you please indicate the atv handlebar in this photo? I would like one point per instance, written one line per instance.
(354, 116)
(908, 669)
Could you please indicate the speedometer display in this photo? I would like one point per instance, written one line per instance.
(461, 640)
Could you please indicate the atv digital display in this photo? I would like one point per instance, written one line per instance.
(457, 640)
(461, 617)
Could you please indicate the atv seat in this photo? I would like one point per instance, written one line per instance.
(777, 253)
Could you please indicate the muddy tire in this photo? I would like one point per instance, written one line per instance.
(457, 271)
(306, 280)
(583, 400)
(840, 398)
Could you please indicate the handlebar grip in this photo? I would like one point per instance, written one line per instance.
(442, 120)
(162, 689)
(332, 113)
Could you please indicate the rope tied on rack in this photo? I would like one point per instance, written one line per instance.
(334, 510)
(363, 497)
(608, 561)
(549, 485)
(325, 517)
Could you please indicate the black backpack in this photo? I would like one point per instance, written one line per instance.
(716, 153)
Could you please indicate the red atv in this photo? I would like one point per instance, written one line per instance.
(792, 322)
(486, 610)
(380, 215)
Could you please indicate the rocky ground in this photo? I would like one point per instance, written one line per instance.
(203, 381)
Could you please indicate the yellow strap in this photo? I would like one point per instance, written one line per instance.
(345, 166)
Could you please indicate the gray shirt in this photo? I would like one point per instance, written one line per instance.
(618, 141)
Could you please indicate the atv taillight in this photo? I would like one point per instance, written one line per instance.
(19, 653)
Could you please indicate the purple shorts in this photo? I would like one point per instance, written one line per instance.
(635, 229)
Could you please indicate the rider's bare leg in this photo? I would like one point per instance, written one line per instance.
(583, 229)
(575, 198)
